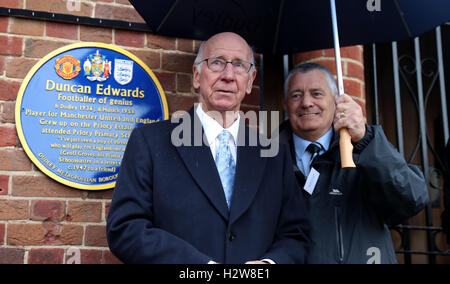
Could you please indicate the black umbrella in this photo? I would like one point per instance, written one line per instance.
(288, 26)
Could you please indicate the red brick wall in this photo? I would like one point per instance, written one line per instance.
(352, 68)
(42, 221)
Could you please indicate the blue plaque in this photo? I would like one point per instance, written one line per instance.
(77, 107)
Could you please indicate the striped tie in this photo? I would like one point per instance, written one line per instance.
(313, 148)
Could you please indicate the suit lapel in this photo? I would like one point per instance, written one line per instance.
(249, 171)
(200, 164)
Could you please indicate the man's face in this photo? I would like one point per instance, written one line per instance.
(310, 104)
(223, 91)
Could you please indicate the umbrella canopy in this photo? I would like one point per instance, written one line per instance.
(288, 26)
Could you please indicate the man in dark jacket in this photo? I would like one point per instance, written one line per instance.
(213, 197)
(350, 209)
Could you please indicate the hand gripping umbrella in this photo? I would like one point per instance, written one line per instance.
(345, 142)
(289, 26)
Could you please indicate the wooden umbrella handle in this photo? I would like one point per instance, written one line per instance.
(346, 147)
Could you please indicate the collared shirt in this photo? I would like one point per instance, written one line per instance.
(212, 130)
(302, 156)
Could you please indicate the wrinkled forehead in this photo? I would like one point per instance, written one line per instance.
(314, 80)
(229, 46)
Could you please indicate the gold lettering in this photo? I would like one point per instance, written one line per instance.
(99, 89)
(50, 83)
(75, 89)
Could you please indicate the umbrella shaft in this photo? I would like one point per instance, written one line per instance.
(337, 49)
(345, 142)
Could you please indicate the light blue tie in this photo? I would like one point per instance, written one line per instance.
(225, 165)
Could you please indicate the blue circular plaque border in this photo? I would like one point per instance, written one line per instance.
(18, 109)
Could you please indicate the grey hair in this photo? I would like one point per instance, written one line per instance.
(308, 67)
(199, 58)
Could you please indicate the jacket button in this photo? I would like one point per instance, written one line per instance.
(231, 237)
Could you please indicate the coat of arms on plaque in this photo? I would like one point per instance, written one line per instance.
(67, 67)
(97, 67)
(123, 72)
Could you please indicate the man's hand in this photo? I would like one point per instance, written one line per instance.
(349, 115)
(256, 262)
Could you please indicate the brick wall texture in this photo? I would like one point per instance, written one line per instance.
(42, 221)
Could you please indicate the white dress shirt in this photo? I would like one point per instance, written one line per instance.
(212, 130)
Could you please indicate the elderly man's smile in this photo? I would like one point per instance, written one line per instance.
(309, 115)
